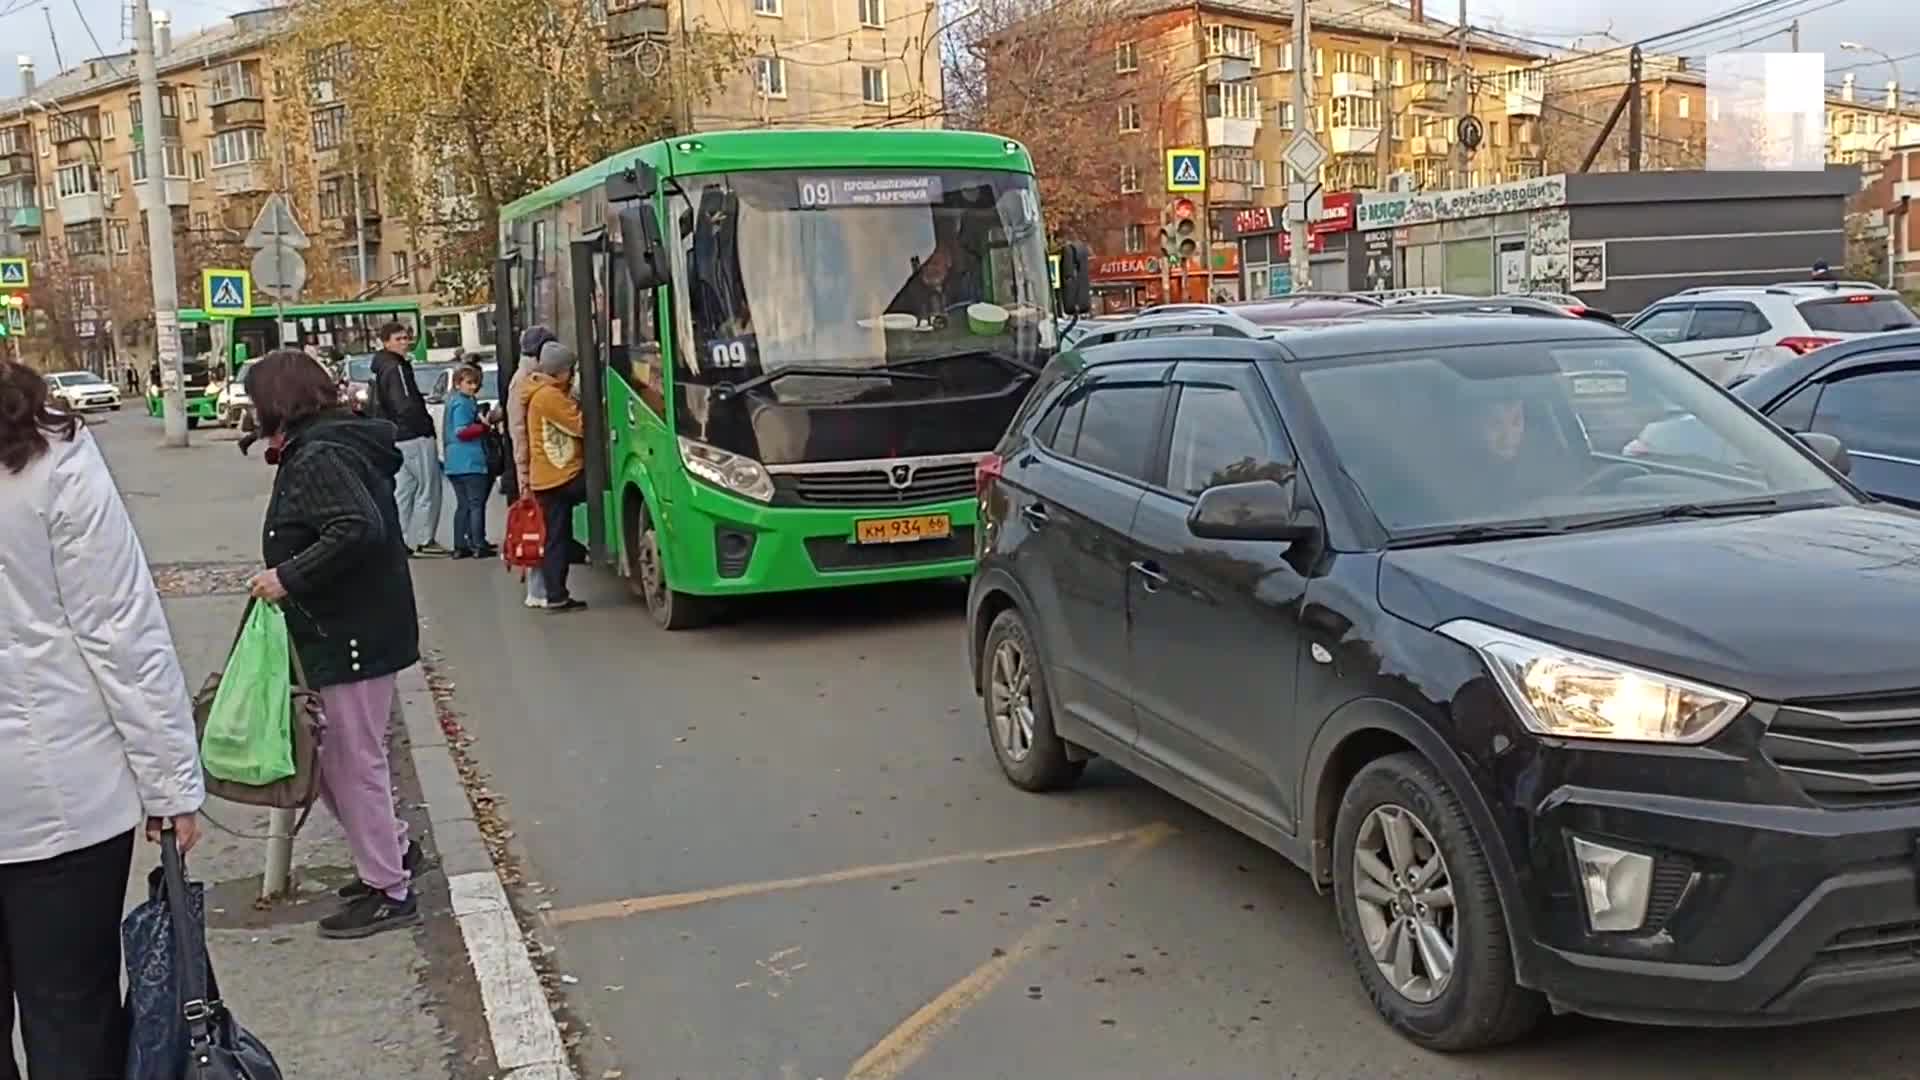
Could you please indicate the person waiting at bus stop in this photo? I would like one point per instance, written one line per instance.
(515, 414)
(395, 397)
(556, 465)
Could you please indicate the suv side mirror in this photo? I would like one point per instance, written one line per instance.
(1255, 510)
(1831, 450)
(1076, 279)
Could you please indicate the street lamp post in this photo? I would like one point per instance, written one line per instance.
(1893, 135)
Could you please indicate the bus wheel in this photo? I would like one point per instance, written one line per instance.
(647, 578)
(193, 423)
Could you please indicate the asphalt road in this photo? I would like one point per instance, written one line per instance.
(781, 849)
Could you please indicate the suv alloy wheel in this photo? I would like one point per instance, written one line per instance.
(1020, 712)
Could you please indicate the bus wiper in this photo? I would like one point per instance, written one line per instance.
(1473, 534)
(1733, 508)
(726, 390)
(1020, 366)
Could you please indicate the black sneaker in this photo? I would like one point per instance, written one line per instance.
(372, 914)
(430, 551)
(410, 862)
(462, 553)
(566, 605)
(486, 551)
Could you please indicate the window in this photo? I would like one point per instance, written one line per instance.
(1136, 238)
(117, 235)
(1861, 313)
(1129, 117)
(1283, 115)
(872, 12)
(169, 105)
(1129, 179)
(1399, 68)
(1234, 101)
(1234, 41)
(1126, 58)
(1873, 413)
(1116, 428)
(442, 331)
(1216, 440)
(1712, 322)
(86, 240)
(402, 267)
(1356, 112)
(1319, 62)
(766, 7)
(1685, 106)
(190, 104)
(1796, 413)
(873, 85)
(197, 165)
(80, 179)
(202, 222)
(231, 82)
(173, 158)
(239, 146)
(332, 199)
(329, 127)
(1286, 56)
(107, 126)
(770, 76)
(1663, 326)
(111, 183)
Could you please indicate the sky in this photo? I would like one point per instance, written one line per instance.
(1824, 24)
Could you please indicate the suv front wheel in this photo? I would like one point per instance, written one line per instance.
(1020, 711)
(1419, 911)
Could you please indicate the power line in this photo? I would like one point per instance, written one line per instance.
(1697, 33)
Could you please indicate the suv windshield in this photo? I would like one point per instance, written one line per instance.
(78, 379)
(861, 269)
(1861, 313)
(1450, 438)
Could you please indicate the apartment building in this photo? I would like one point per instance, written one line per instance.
(1383, 79)
(809, 63)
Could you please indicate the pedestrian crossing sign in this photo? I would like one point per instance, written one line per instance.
(1187, 170)
(13, 274)
(226, 292)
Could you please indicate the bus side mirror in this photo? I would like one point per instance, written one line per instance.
(641, 247)
(1076, 279)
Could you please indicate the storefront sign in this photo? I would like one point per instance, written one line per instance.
(1127, 266)
(1393, 211)
(1316, 244)
(1254, 220)
(1336, 215)
(1226, 260)
(1379, 255)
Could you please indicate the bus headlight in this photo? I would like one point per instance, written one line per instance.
(726, 470)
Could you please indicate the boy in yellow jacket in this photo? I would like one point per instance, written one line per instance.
(556, 465)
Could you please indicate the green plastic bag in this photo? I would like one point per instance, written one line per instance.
(249, 736)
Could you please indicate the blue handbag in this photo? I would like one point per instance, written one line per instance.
(178, 1027)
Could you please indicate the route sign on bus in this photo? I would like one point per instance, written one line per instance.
(821, 192)
(14, 274)
(226, 292)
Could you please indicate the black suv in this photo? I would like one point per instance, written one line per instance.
(1634, 736)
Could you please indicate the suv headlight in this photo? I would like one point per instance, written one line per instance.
(1571, 695)
(726, 470)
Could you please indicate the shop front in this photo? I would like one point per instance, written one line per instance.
(1264, 245)
(1123, 283)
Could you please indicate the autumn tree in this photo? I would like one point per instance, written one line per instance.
(461, 106)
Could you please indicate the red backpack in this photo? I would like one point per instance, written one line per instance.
(526, 539)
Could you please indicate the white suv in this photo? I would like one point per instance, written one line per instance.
(1731, 333)
(82, 390)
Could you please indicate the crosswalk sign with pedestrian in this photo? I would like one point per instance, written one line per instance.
(13, 274)
(226, 292)
(1187, 170)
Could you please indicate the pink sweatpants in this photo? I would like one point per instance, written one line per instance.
(357, 784)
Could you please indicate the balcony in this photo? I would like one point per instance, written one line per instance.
(78, 131)
(1424, 146)
(176, 193)
(83, 208)
(1352, 84)
(1229, 192)
(1226, 131)
(23, 219)
(629, 19)
(1859, 142)
(1353, 140)
(240, 112)
(1526, 101)
(1527, 150)
(1227, 68)
(244, 178)
(1430, 94)
(14, 166)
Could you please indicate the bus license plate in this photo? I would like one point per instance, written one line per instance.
(903, 530)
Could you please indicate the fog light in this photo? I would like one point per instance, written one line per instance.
(1617, 884)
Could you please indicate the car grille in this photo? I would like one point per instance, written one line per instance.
(1850, 752)
(831, 553)
(1868, 947)
(872, 485)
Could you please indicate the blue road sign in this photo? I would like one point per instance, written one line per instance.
(226, 292)
(13, 274)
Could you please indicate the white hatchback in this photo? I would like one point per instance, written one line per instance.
(82, 391)
(1732, 333)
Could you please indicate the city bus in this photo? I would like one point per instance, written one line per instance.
(795, 347)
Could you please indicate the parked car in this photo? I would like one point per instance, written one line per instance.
(83, 391)
(1256, 319)
(1074, 334)
(1558, 728)
(1573, 305)
(1864, 392)
(1733, 332)
(234, 405)
(1489, 305)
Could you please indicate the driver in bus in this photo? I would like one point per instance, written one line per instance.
(938, 283)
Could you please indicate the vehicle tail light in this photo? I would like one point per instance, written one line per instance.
(1576, 310)
(1862, 298)
(985, 473)
(1801, 346)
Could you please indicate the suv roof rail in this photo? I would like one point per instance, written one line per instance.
(1831, 286)
(1697, 290)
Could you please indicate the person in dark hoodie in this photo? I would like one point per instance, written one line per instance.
(395, 396)
(337, 563)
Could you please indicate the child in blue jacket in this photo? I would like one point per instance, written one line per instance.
(466, 466)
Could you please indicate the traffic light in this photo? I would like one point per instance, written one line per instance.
(1179, 232)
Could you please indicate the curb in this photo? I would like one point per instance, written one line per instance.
(526, 1038)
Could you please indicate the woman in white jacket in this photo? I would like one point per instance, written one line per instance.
(96, 735)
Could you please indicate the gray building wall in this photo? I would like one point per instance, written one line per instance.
(1668, 231)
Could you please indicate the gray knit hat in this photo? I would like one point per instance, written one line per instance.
(555, 359)
(534, 339)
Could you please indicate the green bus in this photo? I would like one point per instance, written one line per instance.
(213, 348)
(795, 347)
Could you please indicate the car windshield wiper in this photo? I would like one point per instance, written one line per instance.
(1473, 534)
(1678, 511)
(1020, 366)
(728, 389)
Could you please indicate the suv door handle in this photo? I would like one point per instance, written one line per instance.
(1035, 514)
(1150, 574)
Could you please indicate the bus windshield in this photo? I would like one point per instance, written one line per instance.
(861, 269)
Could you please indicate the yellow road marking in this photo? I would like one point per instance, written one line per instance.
(616, 909)
(908, 1043)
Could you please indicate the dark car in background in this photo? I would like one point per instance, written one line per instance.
(1557, 726)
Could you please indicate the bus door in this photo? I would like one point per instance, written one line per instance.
(253, 337)
(591, 289)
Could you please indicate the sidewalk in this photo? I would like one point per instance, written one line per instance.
(400, 1005)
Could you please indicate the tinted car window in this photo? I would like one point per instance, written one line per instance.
(1858, 314)
(1115, 429)
(1665, 326)
(1711, 321)
(1796, 413)
(1874, 413)
(1216, 440)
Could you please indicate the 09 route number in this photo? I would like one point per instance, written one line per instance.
(816, 193)
(728, 354)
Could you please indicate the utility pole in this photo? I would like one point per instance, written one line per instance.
(359, 231)
(1462, 103)
(166, 295)
(1300, 260)
(1635, 110)
(1794, 30)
